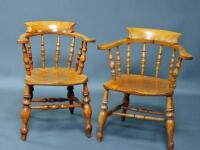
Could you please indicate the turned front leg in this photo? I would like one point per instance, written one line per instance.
(170, 123)
(102, 116)
(26, 111)
(125, 103)
(70, 95)
(87, 110)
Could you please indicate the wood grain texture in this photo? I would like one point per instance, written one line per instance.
(52, 76)
(154, 34)
(140, 85)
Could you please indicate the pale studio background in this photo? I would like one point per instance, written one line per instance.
(105, 20)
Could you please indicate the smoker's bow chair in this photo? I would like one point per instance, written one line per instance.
(56, 75)
(141, 84)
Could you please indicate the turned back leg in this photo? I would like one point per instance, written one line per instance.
(170, 123)
(70, 95)
(125, 103)
(26, 111)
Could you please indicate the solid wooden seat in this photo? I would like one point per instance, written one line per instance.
(139, 85)
(128, 83)
(68, 76)
(58, 76)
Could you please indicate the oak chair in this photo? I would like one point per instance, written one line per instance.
(68, 76)
(129, 83)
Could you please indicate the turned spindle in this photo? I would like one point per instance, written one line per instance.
(128, 59)
(112, 65)
(143, 59)
(118, 61)
(42, 52)
(57, 55)
(71, 53)
(158, 60)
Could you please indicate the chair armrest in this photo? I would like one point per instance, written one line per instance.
(110, 45)
(182, 52)
(81, 36)
(23, 39)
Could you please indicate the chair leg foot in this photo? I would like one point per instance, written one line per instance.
(102, 116)
(125, 103)
(102, 121)
(26, 112)
(170, 123)
(70, 94)
(87, 111)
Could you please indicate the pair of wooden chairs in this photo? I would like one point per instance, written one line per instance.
(128, 83)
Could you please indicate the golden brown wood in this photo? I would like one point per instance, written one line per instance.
(118, 61)
(71, 53)
(143, 59)
(132, 84)
(82, 58)
(29, 52)
(45, 27)
(42, 52)
(102, 116)
(154, 34)
(26, 60)
(57, 55)
(140, 85)
(171, 66)
(26, 111)
(79, 55)
(158, 60)
(112, 65)
(54, 75)
(128, 59)
(139, 116)
(87, 110)
(176, 73)
(56, 106)
(170, 123)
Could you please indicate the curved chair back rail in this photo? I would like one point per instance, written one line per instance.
(145, 36)
(59, 29)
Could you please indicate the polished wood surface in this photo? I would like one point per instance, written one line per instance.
(129, 83)
(140, 85)
(56, 75)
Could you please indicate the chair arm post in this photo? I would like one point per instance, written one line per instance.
(26, 60)
(175, 73)
(82, 60)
